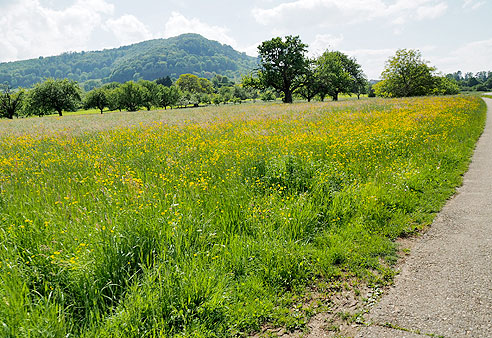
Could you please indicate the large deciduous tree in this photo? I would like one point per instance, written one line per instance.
(337, 74)
(282, 65)
(10, 102)
(54, 96)
(406, 74)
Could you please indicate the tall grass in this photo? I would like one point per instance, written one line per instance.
(210, 222)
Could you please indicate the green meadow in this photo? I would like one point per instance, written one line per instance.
(213, 222)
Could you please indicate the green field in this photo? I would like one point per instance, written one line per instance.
(215, 221)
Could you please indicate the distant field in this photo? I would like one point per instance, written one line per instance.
(214, 221)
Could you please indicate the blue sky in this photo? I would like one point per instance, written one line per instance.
(452, 35)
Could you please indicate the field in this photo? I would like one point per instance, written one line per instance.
(215, 221)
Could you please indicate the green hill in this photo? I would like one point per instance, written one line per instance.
(149, 60)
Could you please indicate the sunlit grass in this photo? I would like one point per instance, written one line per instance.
(210, 221)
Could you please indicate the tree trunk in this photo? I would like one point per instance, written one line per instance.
(288, 96)
(101, 111)
(335, 97)
(60, 112)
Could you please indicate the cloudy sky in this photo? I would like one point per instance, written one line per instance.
(453, 35)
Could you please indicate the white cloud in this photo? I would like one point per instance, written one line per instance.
(251, 50)
(27, 29)
(473, 4)
(322, 42)
(371, 60)
(333, 12)
(471, 57)
(128, 29)
(431, 12)
(179, 24)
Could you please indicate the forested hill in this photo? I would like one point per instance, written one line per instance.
(149, 60)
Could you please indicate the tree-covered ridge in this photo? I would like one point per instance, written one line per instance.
(148, 60)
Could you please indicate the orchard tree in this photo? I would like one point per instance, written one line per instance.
(131, 96)
(54, 96)
(169, 96)
(360, 85)
(151, 96)
(226, 94)
(282, 65)
(188, 83)
(113, 95)
(11, 102)
(337, 74)
(406, 74)
(97, 98)
(206, 86)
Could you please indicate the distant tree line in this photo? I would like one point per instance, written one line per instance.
(60, 95)
(481, 81)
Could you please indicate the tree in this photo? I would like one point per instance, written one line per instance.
(169, 96)
(310, 84)
(445, 86)
(54, 96)
(206, 87)
(221, 81)
(226, 94)
(406, 74)
(130, 96)
(165, 81)
(337, 74)
(360, 83)
(97, 98)
(189, 83)
(150, 96)
(239, 93)
(11, 102)
(282, 65)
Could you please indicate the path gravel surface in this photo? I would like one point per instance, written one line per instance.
(444, 288)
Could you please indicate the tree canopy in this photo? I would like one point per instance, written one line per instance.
(10, 102)
(337, 73)
(54, 96)
(97, 98)
(406, 74)
(283, 64)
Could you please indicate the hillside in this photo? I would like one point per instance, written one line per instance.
(149, 60)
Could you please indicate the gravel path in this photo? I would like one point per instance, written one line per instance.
(444, 288)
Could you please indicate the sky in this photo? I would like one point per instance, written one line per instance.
(452, 35)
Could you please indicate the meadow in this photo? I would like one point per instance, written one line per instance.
(212, 222)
